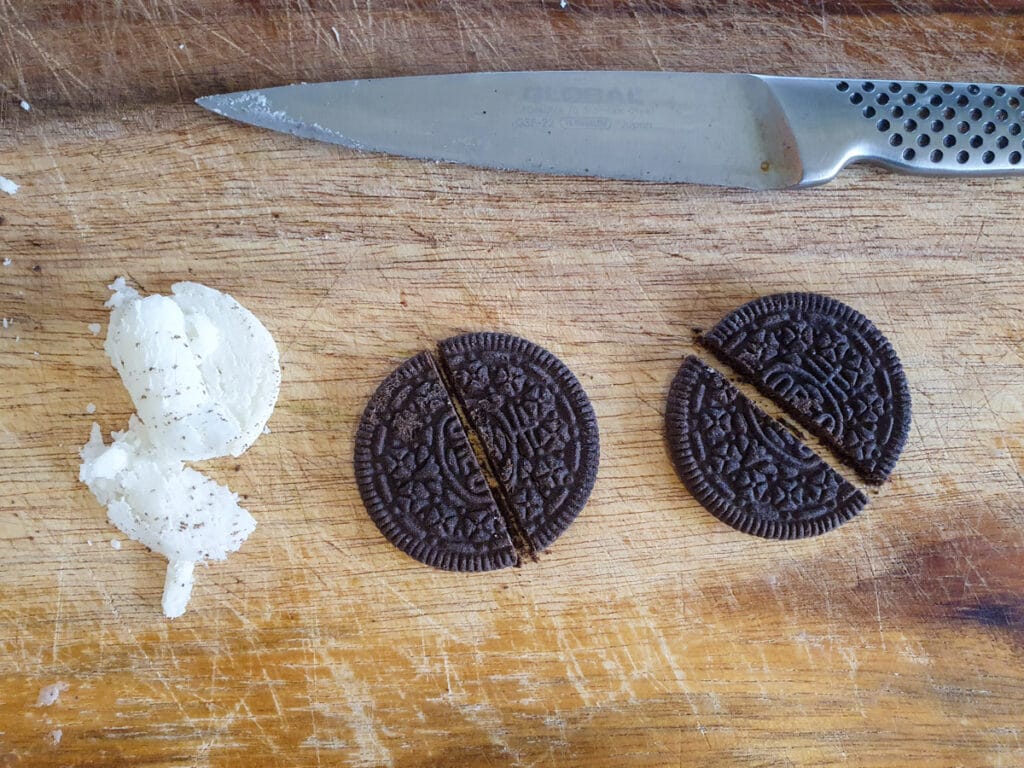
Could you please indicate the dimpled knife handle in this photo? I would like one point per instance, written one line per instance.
(939, 128)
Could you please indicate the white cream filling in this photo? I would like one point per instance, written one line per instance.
(204, 375)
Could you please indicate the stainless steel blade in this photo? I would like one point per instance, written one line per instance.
(653, 126)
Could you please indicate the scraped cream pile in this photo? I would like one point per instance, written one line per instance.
(204, 375)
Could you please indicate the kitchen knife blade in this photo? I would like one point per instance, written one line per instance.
(752, 131)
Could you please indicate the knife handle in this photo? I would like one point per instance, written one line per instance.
(935, 128)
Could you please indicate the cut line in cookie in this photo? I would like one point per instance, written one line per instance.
(536, 425)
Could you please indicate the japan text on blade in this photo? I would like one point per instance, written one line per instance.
(753, 131)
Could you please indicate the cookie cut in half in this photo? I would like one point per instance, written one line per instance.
(448, 506)
(829, 367)
(744, 467)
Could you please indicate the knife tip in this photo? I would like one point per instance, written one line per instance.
(213, 103)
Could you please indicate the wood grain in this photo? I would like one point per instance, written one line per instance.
(650, 634)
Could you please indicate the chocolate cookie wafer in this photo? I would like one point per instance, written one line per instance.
(745, 468)
(420, 480)
(829, 367)
(536, 424)
(427, 490)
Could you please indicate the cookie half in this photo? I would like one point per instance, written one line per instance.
(419, 479)
(744, 467)
(829, 367)
(536, 425)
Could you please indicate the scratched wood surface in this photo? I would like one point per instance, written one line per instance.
(650, 634)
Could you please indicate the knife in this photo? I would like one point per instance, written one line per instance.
(736, 130)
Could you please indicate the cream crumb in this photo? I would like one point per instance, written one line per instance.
(49, 694)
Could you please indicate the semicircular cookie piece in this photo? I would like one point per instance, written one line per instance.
(536, 424)
(829, 367)
(745, 468)
(419, 479)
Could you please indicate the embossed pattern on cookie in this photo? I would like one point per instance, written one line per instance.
(537, 426)
(744, 467)
(420, 480)
(829, 367)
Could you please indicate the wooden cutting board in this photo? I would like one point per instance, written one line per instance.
(650, 634)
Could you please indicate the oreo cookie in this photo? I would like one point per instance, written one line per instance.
(536, 424)
(829, 367)
(744, 467)
(424, 486)
(419, 479)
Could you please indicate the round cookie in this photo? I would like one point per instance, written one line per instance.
(744, 467)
